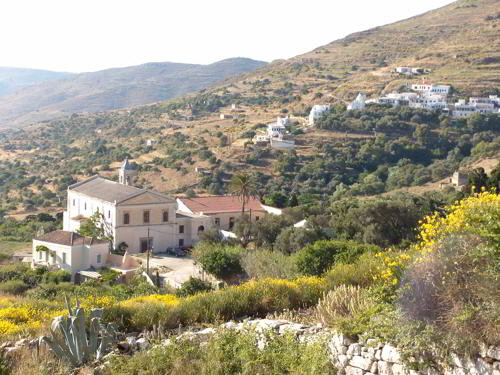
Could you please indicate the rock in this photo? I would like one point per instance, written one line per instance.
(131, 340)
(6, 344)
(368, 353)
(374, 368)
(12, 350)
(123, 347)
(360, 362)
(390, 354)
(398, 369)
(354, 349)
(206, 331)
(142, 343)
(384, 368)
(493, 352)
(33, 343)
(293, 327)
(22, 342)
(378, 354)
(353, 371)
(342, 360)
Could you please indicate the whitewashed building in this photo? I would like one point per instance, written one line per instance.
(429, 102)
(358, 103)
(430, 89)
(464, 109)
(316, 111)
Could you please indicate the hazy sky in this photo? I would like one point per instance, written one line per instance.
(89, 35)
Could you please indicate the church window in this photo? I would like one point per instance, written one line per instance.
(145, 217)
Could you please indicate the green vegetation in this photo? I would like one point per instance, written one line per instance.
(230, 352)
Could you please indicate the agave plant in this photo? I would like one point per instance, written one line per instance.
(72, 343)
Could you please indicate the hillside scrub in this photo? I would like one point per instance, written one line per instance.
(229, 352)
(318, 257)
(446, 286)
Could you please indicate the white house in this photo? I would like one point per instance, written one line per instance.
(429, 102)
(464, 109)
(316, 111)
(276, 130)
(429, 89)
(69, 251)
(358, 103)
(282, 120)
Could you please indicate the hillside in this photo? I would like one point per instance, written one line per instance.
(349, 154)
(13, 79)
(459, 43)
(114, 88)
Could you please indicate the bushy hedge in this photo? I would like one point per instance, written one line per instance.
(254, 298)
(318, 257)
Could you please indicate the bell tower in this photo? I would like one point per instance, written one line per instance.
(127, 173)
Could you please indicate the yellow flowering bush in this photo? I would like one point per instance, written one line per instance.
(92, 302)
(167, 299)
(478, 214)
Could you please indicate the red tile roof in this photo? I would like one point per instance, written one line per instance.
(220, 203)
(62, 237)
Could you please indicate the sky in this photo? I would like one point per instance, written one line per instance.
(90, 35)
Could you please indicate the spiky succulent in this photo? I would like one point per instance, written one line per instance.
(72, 343)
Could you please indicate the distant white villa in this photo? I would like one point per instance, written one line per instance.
(316, 111)
(430, 89)
(276, 135)
(475, 105)
(358, 103)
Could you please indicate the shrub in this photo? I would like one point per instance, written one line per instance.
(263, 263)
(316, 258)
(192, 287)
(359, 273)
(478, 214)
(453, 289)
(230, 352)
(343, 307)
(254, 298)
(220, 260)
(15, 287)
(57, 276)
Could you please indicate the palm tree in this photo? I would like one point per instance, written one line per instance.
(242, 185)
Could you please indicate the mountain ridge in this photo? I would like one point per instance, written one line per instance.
(115, 88)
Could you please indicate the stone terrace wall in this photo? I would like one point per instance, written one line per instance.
(372, 357)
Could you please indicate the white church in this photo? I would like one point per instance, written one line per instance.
(136, 219)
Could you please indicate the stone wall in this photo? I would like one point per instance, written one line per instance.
(369, 357)
(372, 357)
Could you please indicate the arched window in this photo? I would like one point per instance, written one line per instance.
(126, 218)
(165, 216)
(201, 228)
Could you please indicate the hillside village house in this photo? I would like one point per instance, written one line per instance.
(358, 103)
(316, 111)
(137, 219)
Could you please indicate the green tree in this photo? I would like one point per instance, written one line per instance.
(318, 257)
(96, 227)
(220, 260)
